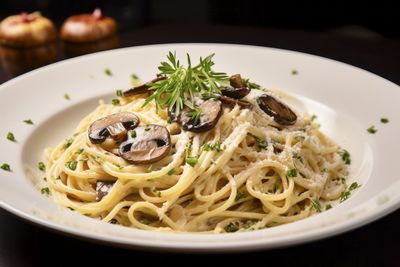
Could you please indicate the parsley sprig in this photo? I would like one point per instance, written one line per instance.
(182, 83)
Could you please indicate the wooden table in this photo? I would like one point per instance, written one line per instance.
(377, 244)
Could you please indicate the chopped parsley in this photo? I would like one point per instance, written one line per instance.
(28, 121)
(291, 173)
(66, 96)
(297, 156)
(134, 76)
(231, 228)
(115, 102)
(240, 195)
(261, 143)
(191, 161)
(118, 166)
(45, 190)
(372, 129)
(346, 193)
(71, 165)
(247, 83)
(41, 166)
(45, 179)
(345, 156)
(118, 93)
(313, 117)
(157, 193)
(68, 143)
(133, 134)
(10, 136)
(79, 151)
(316, 205)
(216, 146)
(144, 220)
(108, 72)
(171, 171)
(328, 207)
(384, 120)
(58, 177)
(5, 167)
(295, 72)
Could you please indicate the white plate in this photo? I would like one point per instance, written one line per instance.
(346, 99)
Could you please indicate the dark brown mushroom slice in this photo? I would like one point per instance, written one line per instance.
(211, 111)
(233, 102)
(281, 113)
(146, 144)
(143, 88)
(236, 81)
(103, 188)
(115, 126)
(236, 93)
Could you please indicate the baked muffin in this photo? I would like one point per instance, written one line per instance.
(88, 27)
(26, 30)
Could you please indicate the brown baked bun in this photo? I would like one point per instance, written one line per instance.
(26, 30)
(87, 27)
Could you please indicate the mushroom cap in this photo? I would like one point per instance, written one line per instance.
(149, 144)
(236, 93)
(27, 30)
(281, 113)
(143, 88)
(211, 111)
(236, 81)
(231, 102)
(115, 125)
(87, 28)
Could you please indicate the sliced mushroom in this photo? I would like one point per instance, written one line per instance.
(115, 126)
(236, 81)
(230, 102)
(211, 111)
(236, 93)
(144, 88)
(281, 113)
(146, 144)
(102, 189)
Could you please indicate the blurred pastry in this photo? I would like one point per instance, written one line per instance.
(26, 30)
(88, 27)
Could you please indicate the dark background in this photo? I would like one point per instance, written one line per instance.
(377, 18)
(362, 33)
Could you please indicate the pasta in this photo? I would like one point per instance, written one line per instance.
(246, 173)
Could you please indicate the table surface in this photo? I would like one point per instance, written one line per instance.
(23, 244)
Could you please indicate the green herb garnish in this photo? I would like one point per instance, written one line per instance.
(118, 93)
(144, 220)
(291, 173)
(171, 171)
(58, 177)
(345, 156)
(29, 121)
(295, 72)
(328, 207)
(384, 120)
(191, 161)
(41, 166)
(108, 72)
(182, 83)
(296, 155)
(372, 129)
(68, 143)
(313, 117)
(217, 146)
(115, 102)
(134, 77)
(45, 190)
(247, 83)
(231, 228)
(72, 165)
(10, 136)
(5, 167)
(79, 151)
(133, 134)
(66, 96)
(346, 193)
(316, 205)
(240, 195)
(261, 143)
